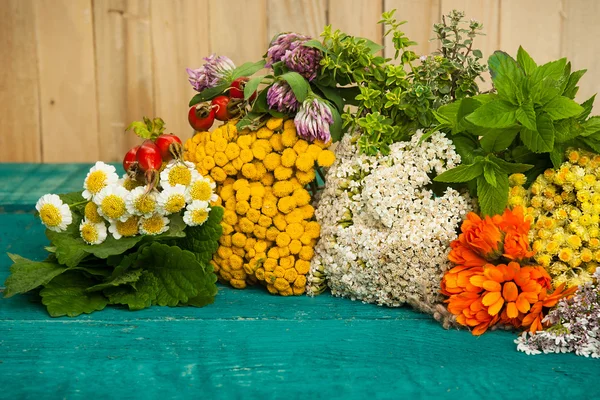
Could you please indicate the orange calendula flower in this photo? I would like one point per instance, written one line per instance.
(463, 255)
(483, 236)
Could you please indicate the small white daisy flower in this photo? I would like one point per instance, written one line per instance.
(91, 212)
(172, 200)
(202, 189)
(178, 173)
(196, 213)
(55, 214)
(124, 229)
(154, 225)
(141, 203)
(100, 176)
(112, 203)
(92, 233)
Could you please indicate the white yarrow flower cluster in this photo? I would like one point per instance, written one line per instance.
(385, 236)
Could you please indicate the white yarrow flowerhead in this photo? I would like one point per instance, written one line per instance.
(55, 214)
(141, 203)
(100, 176)
(112, 203)
(125, 229)
(92, 233)
(178, 172)
(202, 189)
(172, 200)
(196, 213)
(154, 225)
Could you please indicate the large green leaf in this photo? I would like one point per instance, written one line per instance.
(247, 69)
(544, 83)
(465, 146)
(209, 94)
(498, 139)
(591, 127)
(462, 173)
(561, 107)
(298, 83)
(252, 85)
(495, 114)
(492, 200)
(26, 275)
(203, 240)
(571, 89)
(542, 139)
(508, 167)
(526, 115)
(525, 61)
(66, 295)
(129, 277)
(140, 297)
(507, 76)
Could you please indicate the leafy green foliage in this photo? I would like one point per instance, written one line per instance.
(26, 275)
(66, 295)
(148, 128)
(203, 240)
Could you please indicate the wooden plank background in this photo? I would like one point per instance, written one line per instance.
(76, 72)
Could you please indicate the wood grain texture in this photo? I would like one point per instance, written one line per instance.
(579, 43)
(357, 17)
(20, 138)
(65, 48)
(308, 17)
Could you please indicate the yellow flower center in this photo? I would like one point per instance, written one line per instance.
(91, 213)
(145, 204)
(181, 175)
(50, 215)
(96, 181)
(153, 225)
(129, 227)
(113, 206)
(199, 216)
(89, 233)
(175, 203)
(201, 190)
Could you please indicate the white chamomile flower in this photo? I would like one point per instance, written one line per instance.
(128, 182)
(112, 203)
(128, 228)
(196, 213)
(172, 200)
(154, 225)
(92, 233)
(100, 176)
(178, 172)
(55, 214)
(202, 189)
(141, 203)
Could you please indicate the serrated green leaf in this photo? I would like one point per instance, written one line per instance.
(466, 107)
(26, 275)
(566, 130)
(507, 76)
(462, 173)
(66, 295)
(495, 114)
(591, 127)
(140, 129)
(203, 240)
(252, 85)
(465, 146)
(562, 107)
(526, 116)
(542, 139)
(525, 61)
(489, 173)
(109, 247)
(498, 139)
(247, 69)
(508, 167)
(69, 250)
(587, 105)
(138, 298)
(209, 94)
(129, 277)
(545, 81)
(298, 84)
(96, 271)
(557, 155)
(571, 89)
(492, 200)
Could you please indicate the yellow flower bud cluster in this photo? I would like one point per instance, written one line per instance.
(563, 206)
(268, 232)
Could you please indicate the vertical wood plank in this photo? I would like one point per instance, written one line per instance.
(357, 18)
(65, 48)
(533, 24)
(580, 44)
(421, 15)
(19, 84)
(180, 38)
(307, 17)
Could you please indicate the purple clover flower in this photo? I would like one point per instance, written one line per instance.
(281, 44)
(281, 98)
(312, 121)
(211, 74)
(303, 60)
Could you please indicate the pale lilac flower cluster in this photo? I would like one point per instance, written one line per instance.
(576, 325)
(281, 98)
(312, 121)
(211, 74)
(281, 44)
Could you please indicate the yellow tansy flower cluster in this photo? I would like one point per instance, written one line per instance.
(268, 232)
(564, 207)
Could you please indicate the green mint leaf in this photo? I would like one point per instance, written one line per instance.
(129, 277)
(69, 250)
(203, 240)
(566, 130)
(252, 85)
(562, 107)
(209, 94)
(462, 173)
(465, 146)
(298, 84)
(140, 129)
(507, 76)
(557, 155)
(587, 108)
(314, 43)
(542, 139)
(591, 127)
(526, 116)
(508, 167)
(545, 81)
(466, 107)
(571, 89)
(247, 69)
(109, 247)
(138, 298)
(26, 275)
(492, 200)
(489, 173)
(71, 198)
(204, 297)
(592, 144)
(525, 61)
(180, 276)
(495, 114)
(495, 140)
(66, 295)
(102, 272)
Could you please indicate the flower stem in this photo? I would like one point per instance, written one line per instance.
(79, 203)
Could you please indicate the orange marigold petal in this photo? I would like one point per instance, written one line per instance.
(511, 310)
(495, 308)
(522, 303)
(492, 286)
(477, 280)
(491, 298)
(493, 273)
(510, 291)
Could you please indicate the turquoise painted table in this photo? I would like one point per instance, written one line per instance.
(248, 344)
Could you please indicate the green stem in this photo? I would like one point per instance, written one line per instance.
(79, 203)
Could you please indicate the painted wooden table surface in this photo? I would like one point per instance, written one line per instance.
(248, 344)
